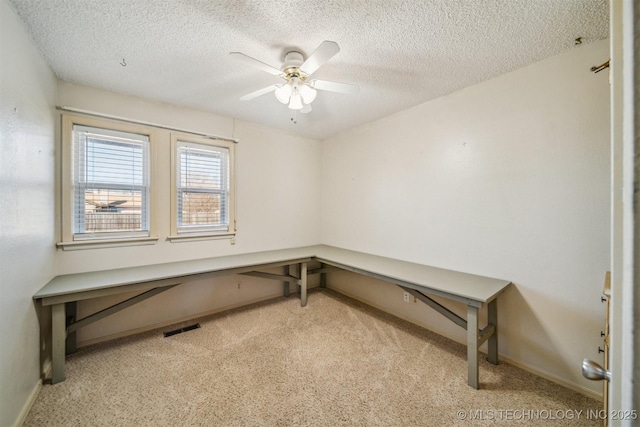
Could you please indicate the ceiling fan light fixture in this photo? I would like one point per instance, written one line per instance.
(307, 93)
(296, 100)
(283, 93)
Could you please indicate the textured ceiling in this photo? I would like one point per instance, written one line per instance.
(401, 53)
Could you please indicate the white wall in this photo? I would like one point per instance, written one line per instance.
(277, 186)
(509, 179)
(27, 251)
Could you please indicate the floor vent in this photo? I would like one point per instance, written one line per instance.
(181, 330)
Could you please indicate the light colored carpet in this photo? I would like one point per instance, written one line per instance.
(336, 362)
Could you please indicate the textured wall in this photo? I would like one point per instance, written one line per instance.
(508, 178)
(27, 248)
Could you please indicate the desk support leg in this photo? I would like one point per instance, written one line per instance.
(285, 285)
(58, 338)
(323, 278)
(472, 346)
(492, 319)
(71, 315)
(303, 284)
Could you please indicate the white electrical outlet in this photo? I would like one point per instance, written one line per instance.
(406, 296)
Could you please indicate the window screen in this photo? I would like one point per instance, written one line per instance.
(111, 183)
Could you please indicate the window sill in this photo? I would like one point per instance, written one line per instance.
(196, 237)
(107, 243)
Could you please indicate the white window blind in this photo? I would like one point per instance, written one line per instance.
(202, 187)
(110, 183)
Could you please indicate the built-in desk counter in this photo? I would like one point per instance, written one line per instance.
(62, 292)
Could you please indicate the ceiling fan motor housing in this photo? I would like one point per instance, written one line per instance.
(292, 62)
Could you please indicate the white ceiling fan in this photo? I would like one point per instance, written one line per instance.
(299, 89)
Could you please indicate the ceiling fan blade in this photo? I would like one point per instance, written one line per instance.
(259, 92)
(306, 109)
(334, 86)
(255, 63)
(322, 54)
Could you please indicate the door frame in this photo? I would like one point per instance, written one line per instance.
(624, 395)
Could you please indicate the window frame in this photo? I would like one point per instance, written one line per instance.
(69, 240)
(204, 232)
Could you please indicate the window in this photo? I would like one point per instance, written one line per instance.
(106, 181)
(202, 192)
(111, 183)
(110, 171)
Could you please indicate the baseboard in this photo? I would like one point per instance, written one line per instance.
(28, 404)
(171, 322)
(572, 386)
